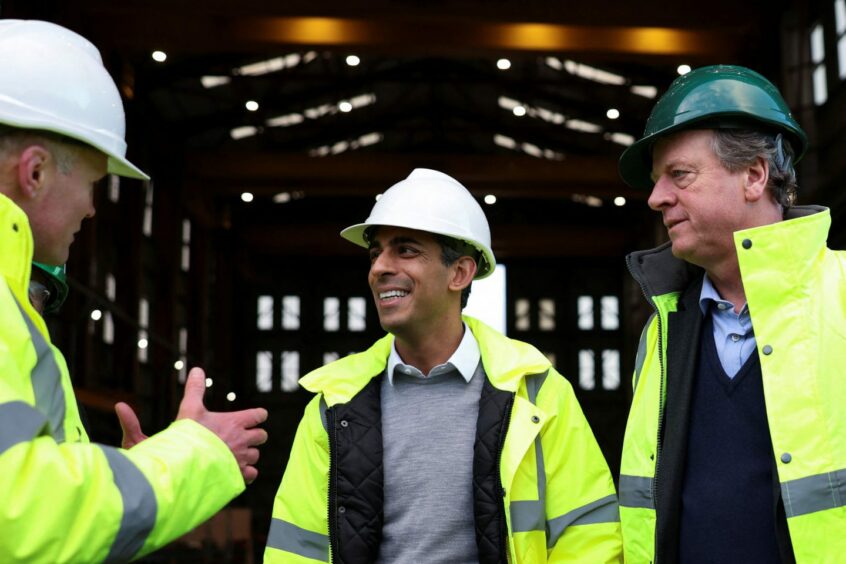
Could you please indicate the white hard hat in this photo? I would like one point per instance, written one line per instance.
(53, 79)
(431, 201)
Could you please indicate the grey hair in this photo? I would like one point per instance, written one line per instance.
(63, 149)
(739, 148)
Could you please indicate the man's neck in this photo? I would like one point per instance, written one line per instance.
(432, 349)
(729, 284)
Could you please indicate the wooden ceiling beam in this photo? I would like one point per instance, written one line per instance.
(398, 36)
(368, 173)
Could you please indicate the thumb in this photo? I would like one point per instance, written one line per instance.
(129, 424)
(195, 388)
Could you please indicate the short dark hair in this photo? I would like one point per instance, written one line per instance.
(739, 148)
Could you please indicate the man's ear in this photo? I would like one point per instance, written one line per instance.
(32, 165)
(756, 178)
(464, 269)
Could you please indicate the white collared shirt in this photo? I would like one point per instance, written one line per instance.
(465, 359)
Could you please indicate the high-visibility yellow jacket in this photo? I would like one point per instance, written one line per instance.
(796, 293)
(65, 499)
(550, 495)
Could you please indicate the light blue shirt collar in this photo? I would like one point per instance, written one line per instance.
(465, 359)
(709, 294)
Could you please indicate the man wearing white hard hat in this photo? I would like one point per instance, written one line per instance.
(66, 499)
(445, 442)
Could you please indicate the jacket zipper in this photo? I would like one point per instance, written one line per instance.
(660, 433)
(333, 494)
(504, 529)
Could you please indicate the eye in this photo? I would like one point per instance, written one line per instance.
(374, 254)
(679, 173)
(405, 250)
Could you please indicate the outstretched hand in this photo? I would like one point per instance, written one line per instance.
(238, 429)
(129, 424)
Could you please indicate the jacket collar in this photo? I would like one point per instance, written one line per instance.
(505, 361)
(15, 247)
(658, 272)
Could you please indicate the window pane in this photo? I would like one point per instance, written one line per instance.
(264, 371)
(610, 307)
(330, 357)
(820, 86)
(290, 370)
(584, 307)
(265, 312)
(610, 369)
(817, 49)
(546, 314)
(587, 377)
(331, 314)
(290, 312)
(521, 315)
(114, 188)
(841, 56)
(108, 328)
(356, 311)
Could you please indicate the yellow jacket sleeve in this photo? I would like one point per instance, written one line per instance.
(299, 529)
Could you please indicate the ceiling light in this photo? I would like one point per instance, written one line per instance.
(159, 56)
(252, 105)
(644, 90)
(243, 131)
(619, 201)
(345, 106)
(96, 315)
(503, 64)
(490, 199)
(247, 196)
(519, 111)
(142, 343)
(613, 113)
(353, 60)
(210, 81)
(683, 69)
(209, 382)
(230, 396)
(179, 365)
(282, 198)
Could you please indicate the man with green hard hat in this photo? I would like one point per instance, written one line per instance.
(734, 449)
(66, 499)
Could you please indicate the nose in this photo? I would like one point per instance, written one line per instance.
(662, 194)
(383, 264)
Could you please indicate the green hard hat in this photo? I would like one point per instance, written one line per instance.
(715, 97)
(58, 285)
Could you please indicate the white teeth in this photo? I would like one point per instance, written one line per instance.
(392, 294)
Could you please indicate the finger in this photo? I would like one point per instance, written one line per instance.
(249, 473)
(129, 424)
(254, 437)
(249, 418)
(195, 388)
(250, 457)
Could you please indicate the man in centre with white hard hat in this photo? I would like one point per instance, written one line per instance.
(445, 442)
(66, 499)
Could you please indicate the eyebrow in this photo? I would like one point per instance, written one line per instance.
(399, 240)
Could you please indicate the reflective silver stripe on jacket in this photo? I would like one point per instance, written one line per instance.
(139, 506)
(603, 510)
(814, 493)
(47, 382)
(530, 515)
(641, 350)
(20, 422)
(636, 491)
(290, 538)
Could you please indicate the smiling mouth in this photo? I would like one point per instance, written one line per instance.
(392, 294)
